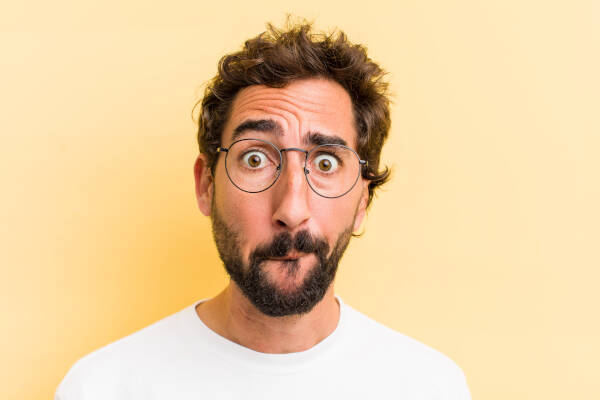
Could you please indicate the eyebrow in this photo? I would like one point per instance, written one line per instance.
(260, 125)
(318, 138)
(273, 127)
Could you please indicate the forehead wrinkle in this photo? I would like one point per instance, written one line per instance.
(289, 122)
(313, 101)
(262, 102)
(309, 137)
(285, 101)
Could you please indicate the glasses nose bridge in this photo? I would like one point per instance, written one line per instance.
(282, 151)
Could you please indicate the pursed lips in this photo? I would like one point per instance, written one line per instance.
(289, 257)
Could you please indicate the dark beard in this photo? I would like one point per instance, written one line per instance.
(253, 281)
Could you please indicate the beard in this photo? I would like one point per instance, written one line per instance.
(253, 281)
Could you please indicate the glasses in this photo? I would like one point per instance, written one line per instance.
(253, 166)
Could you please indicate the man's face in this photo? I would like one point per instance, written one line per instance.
(281, 246)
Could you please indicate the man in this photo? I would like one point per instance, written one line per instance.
(290, 136)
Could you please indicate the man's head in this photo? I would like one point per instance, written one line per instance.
(294, 89)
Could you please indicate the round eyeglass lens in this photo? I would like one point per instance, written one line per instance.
(252, 164)
(333, 170)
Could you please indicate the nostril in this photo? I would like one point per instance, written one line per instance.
(281, 223)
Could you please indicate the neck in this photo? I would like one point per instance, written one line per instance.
(231, 315)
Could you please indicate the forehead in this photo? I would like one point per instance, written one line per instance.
(301, 108)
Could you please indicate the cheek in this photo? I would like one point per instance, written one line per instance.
(334, 215)
(247, 213)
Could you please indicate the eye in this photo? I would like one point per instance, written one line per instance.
(255, 159)
(326, 163)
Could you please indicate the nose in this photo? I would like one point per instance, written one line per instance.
(291, 194)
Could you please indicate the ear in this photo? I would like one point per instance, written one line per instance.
(361, 211)
(204, 184)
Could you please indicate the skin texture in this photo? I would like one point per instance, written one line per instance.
(300, 108)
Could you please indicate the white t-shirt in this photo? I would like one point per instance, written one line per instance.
(180, 358)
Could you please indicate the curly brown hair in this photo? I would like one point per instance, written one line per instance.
(279, 56)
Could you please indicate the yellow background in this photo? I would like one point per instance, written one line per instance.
(485, 245)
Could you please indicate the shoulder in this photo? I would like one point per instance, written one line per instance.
(382, 338)
(402, 355)
(108, 371)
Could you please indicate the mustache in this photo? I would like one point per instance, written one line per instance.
(283, 243)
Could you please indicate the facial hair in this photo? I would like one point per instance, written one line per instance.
(254, 282)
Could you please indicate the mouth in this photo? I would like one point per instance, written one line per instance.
(289, 257)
